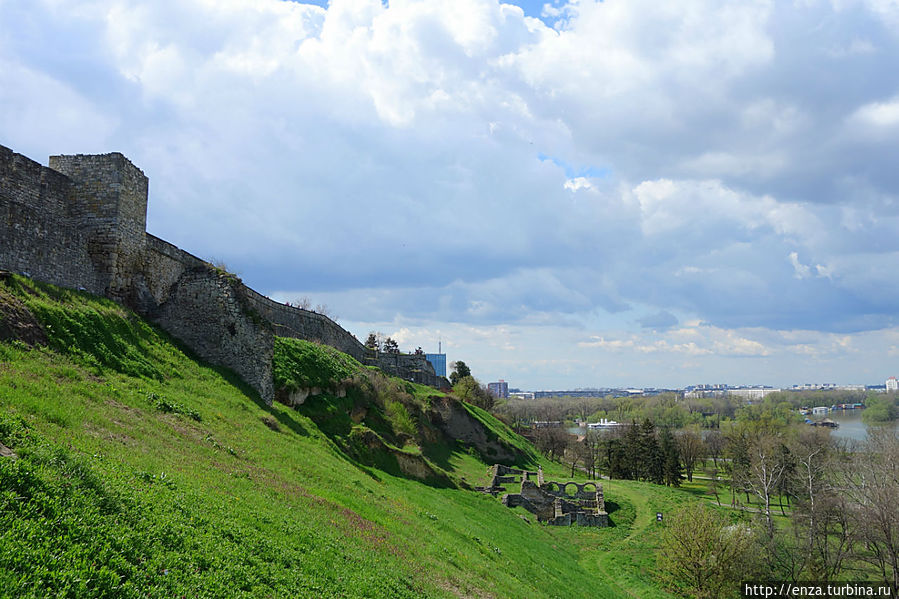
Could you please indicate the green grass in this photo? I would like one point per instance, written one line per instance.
(497, 430)
(160, 476)
(302, 364)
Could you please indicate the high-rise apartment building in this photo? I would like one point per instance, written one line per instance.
(499, 389)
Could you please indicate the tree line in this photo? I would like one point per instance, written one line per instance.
(842, 523)
(796, 503)
(675, 411)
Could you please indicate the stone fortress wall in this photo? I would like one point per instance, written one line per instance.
(81, 224)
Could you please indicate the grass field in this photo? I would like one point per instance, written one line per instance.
(144, 472)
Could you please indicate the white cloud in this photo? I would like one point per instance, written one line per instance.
(391, 159)
(800, 271)
(877, 114)
(578, 184)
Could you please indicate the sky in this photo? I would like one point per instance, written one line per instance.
(571, 194)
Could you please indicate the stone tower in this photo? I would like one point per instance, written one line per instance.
(108, 200)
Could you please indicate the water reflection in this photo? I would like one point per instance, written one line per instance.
(851, 425)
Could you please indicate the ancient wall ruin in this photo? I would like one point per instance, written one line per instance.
(82, 224)
(554, 503)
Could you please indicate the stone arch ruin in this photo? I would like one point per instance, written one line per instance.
(553, 502)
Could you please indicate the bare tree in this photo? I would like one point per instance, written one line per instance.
(692, 450)
(573, 453)
(736, 466)
(820, 517)
(715, 443)
(767, 465)
(551, 441)
(590, 448)
(873, 484)
(712, 483)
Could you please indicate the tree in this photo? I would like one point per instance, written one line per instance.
(372, 342)
(691, 449)
(551, 441)
(670, 458)
(470, 390)
(879, 409)
(651, 461)
(704, 556)
(574, 453)
(737, 463)
(303, 303)
(391, 346)
(460, 371)
(712, 483)
(767, 465)
(714, 443)
(630, 460)
(821, 525)
(873, 484)
(589, 448)
(419, 351)
(615, 458)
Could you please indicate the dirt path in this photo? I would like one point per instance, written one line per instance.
(643, 518)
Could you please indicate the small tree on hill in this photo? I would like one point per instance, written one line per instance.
(460, 371)
(372, 342)
(391, 346)
(470, 390)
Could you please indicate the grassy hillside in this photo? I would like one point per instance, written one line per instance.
(144, 472)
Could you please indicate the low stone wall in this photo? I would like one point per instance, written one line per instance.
(552, 505)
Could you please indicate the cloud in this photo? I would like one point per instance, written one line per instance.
(659, 320)
(877, 114)
(624, 167)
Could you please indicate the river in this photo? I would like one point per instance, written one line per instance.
(851, 426)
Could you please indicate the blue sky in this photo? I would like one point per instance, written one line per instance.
(589, 194)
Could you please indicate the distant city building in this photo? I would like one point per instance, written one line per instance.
(892, 384)
(699, 393)
(815, 387)
(706, 387)
(745, 392)
(574, 393)
(500, 389)
(438, 361)
(521, 394)
(752, 393)
(826, 387)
